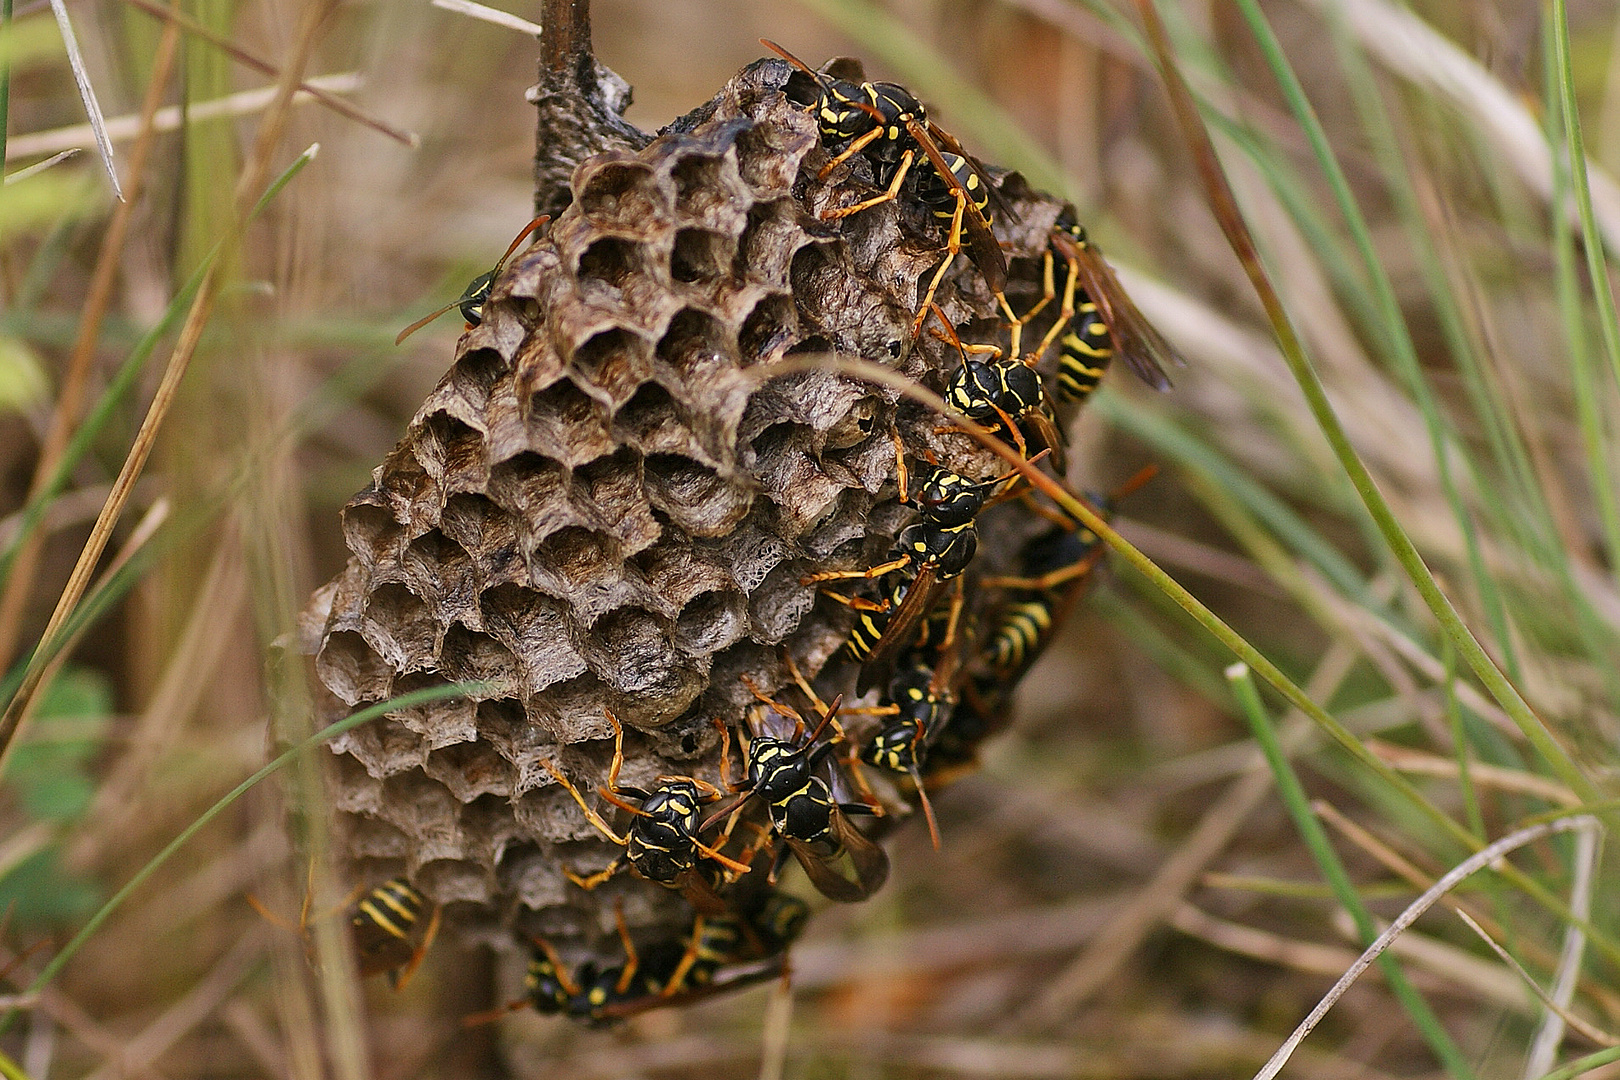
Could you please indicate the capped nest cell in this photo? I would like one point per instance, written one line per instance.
(609, 500)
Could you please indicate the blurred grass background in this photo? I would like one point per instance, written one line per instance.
(1121, 893)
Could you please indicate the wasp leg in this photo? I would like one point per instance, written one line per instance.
(631, 961)
(1065, 313)
(850, 575)
(1048, 294)
(855, 147)
(590, 815)
(688, 958)
(900, 467)
(889, 195)
(602, 875)
(953, 246)
(1049, 581)
(859, 603)
(402, 976)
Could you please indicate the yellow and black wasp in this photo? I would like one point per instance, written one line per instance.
(384, 926)
(589, 991)
(885, 124)
(1097, 319)
(840, 860)
(920, 705)
(662, 842)
(1005, 394)
(927, 554)
(705, 963)
(1056, 567)
(472, 299)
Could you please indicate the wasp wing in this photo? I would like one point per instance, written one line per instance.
(983, 247)
(854, 871)
(1136, 339)
(901, 631)
(999, 205)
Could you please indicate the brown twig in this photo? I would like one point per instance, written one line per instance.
(264, 67)
(580, 105)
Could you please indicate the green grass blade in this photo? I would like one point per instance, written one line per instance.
(1333, 871)
(5, 80)
(1190, 452)
(1582, 1065)
(1400, 545)
(107, 406)
(1592, 240)
(371, 712)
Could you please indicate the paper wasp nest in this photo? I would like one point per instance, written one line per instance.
(604, 506)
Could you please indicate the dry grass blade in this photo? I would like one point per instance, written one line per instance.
(775, 1029)
(171, 117)
(87, 93)
(1420, 763)
(1161, 897)
(1398, 864)
(311, 87)
(1590, 1031)
(251, 183)
(40, 166)
(1415, 50)
(1544, 1050)
(1272, 948)
(1467, 868)
(75, 382)
(489, 15)
(138, 1054)
(138, 538)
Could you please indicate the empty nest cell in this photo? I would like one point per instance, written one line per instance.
(694, 496)
(701, 255)
(614, 363)
(567, 425)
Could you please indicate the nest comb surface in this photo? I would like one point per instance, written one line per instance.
(604, 506)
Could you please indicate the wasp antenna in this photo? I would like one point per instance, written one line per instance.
(832, 711)
(927, 806)
(518, 239)
(1137, 482)
(794, 60)
(423, 321)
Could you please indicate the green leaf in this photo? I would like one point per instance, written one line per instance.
(23, 383)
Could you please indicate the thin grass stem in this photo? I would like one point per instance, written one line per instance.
(87, 93)
(1332, 869)
(349, 723)
(1400, 545)
(75, 383)
(1470, 866)
(191, 332)
(1589, 1063)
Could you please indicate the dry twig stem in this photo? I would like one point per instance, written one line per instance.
(1468, 867)
(580, 103)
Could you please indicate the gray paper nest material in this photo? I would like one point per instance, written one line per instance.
(602, 507)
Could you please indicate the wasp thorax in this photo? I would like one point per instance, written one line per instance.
(777, 768)
(807, 814)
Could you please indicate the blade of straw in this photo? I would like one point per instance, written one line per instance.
(92, 107)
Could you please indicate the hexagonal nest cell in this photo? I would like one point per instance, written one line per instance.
(609, 500)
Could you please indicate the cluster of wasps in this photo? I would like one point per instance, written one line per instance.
(940, 693)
